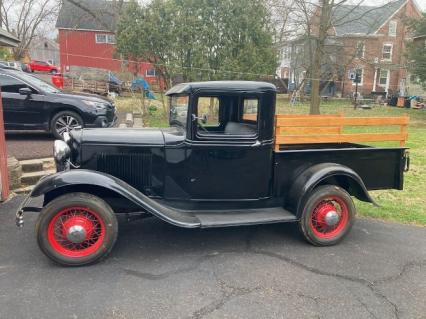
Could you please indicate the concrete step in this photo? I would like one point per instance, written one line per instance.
(35, 165)
(32, 178)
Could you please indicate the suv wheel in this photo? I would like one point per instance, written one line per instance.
(63, 122)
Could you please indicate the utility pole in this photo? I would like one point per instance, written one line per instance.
(1, 16)
(357, 80)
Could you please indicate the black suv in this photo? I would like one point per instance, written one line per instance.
(32, 104)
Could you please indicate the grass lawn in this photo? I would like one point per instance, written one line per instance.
(407, 206)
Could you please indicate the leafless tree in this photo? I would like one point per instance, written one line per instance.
(314, 22)
(25, 18)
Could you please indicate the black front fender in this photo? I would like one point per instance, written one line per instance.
(83, 178)
(325, 173)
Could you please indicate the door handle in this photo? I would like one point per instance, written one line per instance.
(257, 143)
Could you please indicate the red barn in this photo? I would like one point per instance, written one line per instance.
(87, 40)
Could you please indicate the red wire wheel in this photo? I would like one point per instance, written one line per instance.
(327, 216)
(76, 229)
(76, 232)
(330, 217)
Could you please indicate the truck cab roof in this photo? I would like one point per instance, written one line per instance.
(222, 87)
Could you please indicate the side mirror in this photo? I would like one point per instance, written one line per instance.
(25, 91)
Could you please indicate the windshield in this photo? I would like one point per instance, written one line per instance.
(179, 109)
(33, 81)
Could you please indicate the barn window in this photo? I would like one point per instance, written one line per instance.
(110, 38)
(150, 72)
(101, 38)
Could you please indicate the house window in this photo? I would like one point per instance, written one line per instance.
(360, 48)
(285, 53)
(360, 71)
(383, 77)
(105, 38)
(392, 28)
(150, 72)
(387, 52)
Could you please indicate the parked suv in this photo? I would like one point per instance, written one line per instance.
(42, 66)
(32, 104)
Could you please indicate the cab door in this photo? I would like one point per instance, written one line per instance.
(228, 159)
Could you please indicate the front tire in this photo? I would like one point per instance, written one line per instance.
(328, 215)
(64, 121)
(76, 229)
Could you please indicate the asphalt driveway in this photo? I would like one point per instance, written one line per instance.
(160, 271)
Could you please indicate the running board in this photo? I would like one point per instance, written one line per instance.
(244, 217)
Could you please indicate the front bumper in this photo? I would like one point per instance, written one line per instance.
(29, 204)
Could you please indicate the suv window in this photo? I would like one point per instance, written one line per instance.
(10, 84)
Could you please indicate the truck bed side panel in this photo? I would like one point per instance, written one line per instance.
(379, 168)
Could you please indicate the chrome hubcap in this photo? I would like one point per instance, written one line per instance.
(76, 234)
(331, 218)
(65, 124)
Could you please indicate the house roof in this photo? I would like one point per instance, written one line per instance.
(87, 15)
(7, 39)
(365, 20)
(44, 43)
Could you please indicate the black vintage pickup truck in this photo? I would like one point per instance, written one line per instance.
(226, 160)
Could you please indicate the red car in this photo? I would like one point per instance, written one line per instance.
(42, 66)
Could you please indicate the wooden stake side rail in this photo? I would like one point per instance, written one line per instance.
(316, 129)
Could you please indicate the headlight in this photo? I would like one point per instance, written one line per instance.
(61, 151)
(96, 105)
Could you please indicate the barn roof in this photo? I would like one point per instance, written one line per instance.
(99, 15)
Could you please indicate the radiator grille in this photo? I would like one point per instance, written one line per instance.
(134, 169)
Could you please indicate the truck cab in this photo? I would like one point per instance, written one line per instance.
(220, 163)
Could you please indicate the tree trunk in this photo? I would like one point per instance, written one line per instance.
(325, 15)
(316, 74)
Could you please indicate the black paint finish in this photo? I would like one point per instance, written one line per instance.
(187, 179)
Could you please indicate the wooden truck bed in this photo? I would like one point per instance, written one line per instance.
(319, 129)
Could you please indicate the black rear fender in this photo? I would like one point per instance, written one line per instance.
(324, 174)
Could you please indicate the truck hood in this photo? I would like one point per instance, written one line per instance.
(123, 136)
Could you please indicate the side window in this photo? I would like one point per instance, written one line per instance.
(11, 85)
(250, 107)
(208, 108)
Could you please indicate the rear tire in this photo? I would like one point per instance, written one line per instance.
(64, 121)
(328, 216)
(76, 229)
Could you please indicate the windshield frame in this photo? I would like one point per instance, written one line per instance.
(174, 118)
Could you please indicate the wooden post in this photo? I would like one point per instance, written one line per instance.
(404, 132)
(4, 180)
